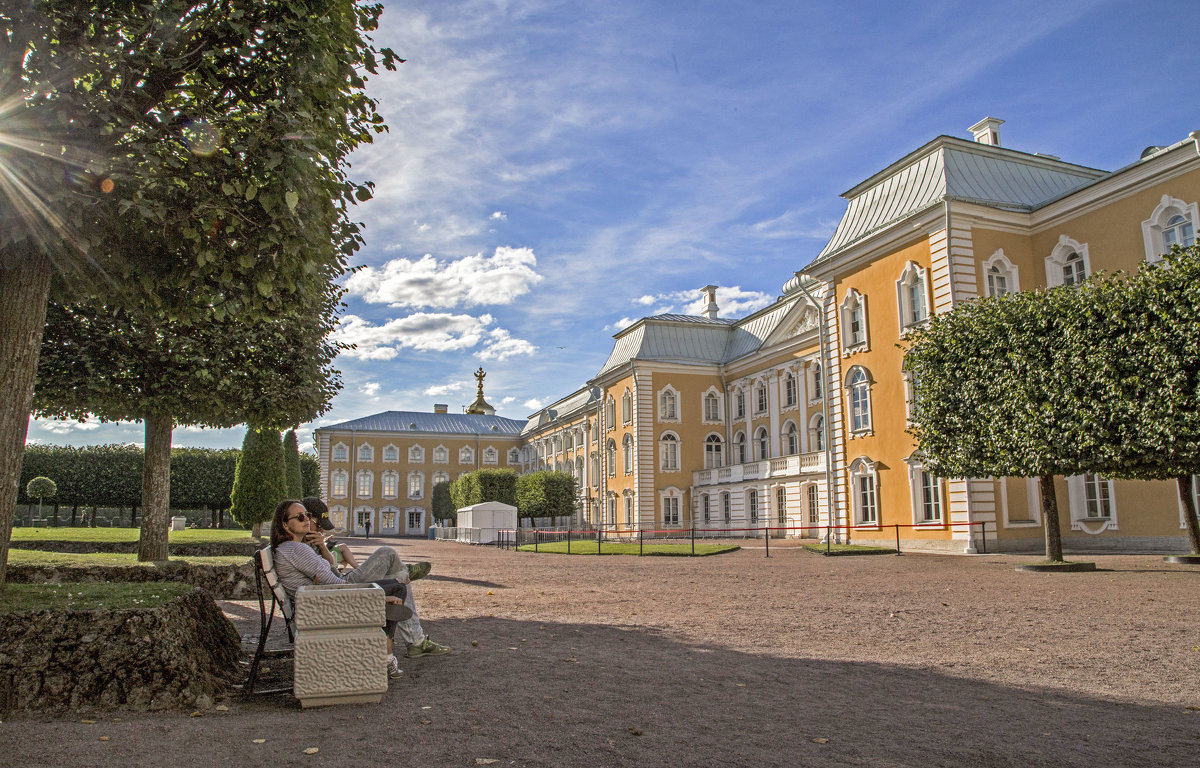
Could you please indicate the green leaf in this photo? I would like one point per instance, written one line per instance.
(292, 198)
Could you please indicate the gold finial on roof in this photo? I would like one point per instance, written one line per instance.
(480, 406)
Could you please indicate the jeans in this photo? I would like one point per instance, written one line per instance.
(384, 563)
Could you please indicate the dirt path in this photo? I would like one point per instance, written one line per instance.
(735, 660)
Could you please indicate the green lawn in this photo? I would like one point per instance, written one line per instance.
(848, 549)
(67, 533)
(38, 557)
(15, 598)
(589, 547)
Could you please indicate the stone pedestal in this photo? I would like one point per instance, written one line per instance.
(341, 651)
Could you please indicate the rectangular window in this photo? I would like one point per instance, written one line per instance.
(865, 488)
(931, 498)
(789, 389)
(712, 408)
(762, 399)
(364, 485)
(814, 510)
(671, 510)
(414, 519)
(741, 404)
(725, 511)
(707, 511)
(339, 484)
(752, 500)
(390, 483)
(781, 506)
(628, 510)
(389, 520)
(1099, 499)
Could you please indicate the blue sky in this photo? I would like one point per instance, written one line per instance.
(556, 170)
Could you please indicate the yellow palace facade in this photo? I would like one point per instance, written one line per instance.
(794, 418)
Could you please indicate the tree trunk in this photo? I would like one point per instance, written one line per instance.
(1050, 518)
(133, 523)
(156, 489)
(74, 515)
(1189, 511)
(26, 280)
(55, 515)
(95, 508)
(256, 530)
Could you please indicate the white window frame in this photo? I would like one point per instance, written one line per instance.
(414, 520)
(1004, 269)
(816, 432)
(927, 494)
(389, 518)
(668, 452)
(1082, 491)
(628, 509)
(610, 413)
(762, 397)
(752, 506)
(339, 483)
(1056, 262)
(391, 454)
(851, 342)
(416, 454)
(416, 485)
(668, 404)
(739, 447)
(858, 393)
(391, 484)
(739, 401)
(441, 455)
(627, 407)
(1154, 227)
(706, 508)
(491, 456)
(812, 503)
(791, 438)
(627, 451)
(726, 507)
(714, 451)
(912, 297)
(339, 452)
(359, 477)
(366, 453)
(514, 456)
(864, 493)
(791, 389)
(610, 457)
(816, 373)
(762, 444)
(466, 455)
(711, 397)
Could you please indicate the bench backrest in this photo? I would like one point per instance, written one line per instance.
(266, 563)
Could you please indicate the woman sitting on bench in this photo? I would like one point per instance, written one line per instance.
(301, 558)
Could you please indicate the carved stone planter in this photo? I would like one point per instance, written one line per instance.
(340, 646)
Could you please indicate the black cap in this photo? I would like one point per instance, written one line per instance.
(319, 512)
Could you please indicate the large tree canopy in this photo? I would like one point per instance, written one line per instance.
(182, 161)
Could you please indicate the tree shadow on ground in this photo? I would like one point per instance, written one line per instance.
(557, 694)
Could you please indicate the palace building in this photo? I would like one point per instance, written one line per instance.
(794, 418)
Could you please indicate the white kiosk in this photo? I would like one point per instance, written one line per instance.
(479, 523)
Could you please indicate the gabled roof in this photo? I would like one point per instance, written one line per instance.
(572, 403)
(439, 423)
(950, 168)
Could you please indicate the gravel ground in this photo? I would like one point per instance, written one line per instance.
(732, 660)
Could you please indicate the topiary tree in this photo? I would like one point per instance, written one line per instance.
(996, 392)
(442, 504)
(546, 494)
(291, 464)
(40, 488)
(258, 481)
(310, 475)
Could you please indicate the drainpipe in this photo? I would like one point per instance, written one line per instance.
(825, 395)
(1195, 137)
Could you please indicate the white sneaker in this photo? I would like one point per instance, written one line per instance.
(393, 665)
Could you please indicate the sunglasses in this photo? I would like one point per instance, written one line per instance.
(301, 516)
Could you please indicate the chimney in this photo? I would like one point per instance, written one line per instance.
(987, 131)
(441, 408)
(709, 293)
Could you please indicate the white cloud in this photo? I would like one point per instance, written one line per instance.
(370, 388)
(437, 390)
(427, 282)
(308, 447)
(499, 216)
(621, 324)
(428, 331)
(532, 404)
(507, 400)
(69, 426)
(732, 302)
(501, 346)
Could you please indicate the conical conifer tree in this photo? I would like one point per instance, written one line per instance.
(259, 480)
(291, 463)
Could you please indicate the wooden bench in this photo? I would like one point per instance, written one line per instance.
(266, 579)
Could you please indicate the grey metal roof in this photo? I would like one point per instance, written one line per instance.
(441, 423)
(951, 168)
(568, 405)
(747, 337)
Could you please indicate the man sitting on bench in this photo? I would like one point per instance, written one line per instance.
(302, 558)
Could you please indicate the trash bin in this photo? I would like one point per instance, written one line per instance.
(178, 523)
(433, 533)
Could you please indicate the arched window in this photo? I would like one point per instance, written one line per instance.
(416, 455)
(440, 477)
(391, 454)
(579, 473)
(739, 404)
(668, 405)
(1000, 275)
(441, 455)
(366, 453)
(791, 439)
(911, 297)
(627, 407)
(490, 456)
(713, 452)
(1068, 263)
(339, 452)
(761, 444)
(739, 447)
(610, 456)
(864, 492)
(789, 388)
(595, 465)
(760, 398)
(1172, 223)
(818, 385)
(854, 321)
(514, 456)
(816, 433)
(610, 413)
(627, 450)
(858, 391)
(669, 451)
(338, 481)
(466, 455)
(712, 407)
(391, 484)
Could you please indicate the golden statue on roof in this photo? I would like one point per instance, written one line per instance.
(480, 406)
